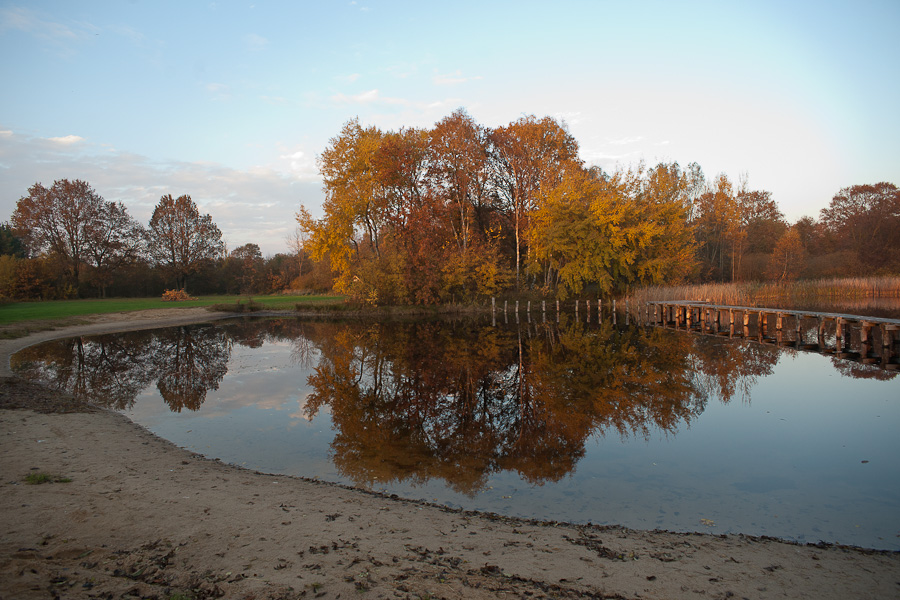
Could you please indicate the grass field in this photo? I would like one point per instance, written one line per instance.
(18, 312)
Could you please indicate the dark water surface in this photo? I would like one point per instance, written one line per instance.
(646, 428)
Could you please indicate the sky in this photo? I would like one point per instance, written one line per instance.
(231, 102)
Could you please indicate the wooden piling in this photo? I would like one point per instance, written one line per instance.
(712, 320)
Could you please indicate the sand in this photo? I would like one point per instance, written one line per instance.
(129, 515)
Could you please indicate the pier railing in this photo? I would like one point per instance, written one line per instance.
(870, 340)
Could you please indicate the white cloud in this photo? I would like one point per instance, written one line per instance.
(67, 140)
(298, 164)
(256, 205)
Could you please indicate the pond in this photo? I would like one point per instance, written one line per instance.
(569, 421)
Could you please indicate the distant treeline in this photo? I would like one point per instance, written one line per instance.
(457, 212)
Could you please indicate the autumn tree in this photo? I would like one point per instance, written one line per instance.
(73, 223)
(614, 231)
(180, 239)
(529, 155)
(244, 267)
(761, 226)
(113, 241)
(57, 220)
(716, 222)
(574, 233)
(865, 220)
(459, 171)
(788, 257)
(658, 221)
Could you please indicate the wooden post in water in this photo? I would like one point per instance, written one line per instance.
(865, 334)
(820, 337)
(838, 334)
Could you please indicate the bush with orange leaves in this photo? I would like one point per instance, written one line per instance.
(176, 296)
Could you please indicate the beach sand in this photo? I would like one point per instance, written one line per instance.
(142, 518)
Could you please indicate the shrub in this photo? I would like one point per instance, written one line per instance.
(176, 296)
(238, 306)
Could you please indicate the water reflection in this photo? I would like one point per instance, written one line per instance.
(434, 399)
(566, 421)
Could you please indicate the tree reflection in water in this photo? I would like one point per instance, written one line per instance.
(428, 400)
(449, 400)
(111, 370)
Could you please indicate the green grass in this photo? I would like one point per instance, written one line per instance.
(19, 312)
(39, 478)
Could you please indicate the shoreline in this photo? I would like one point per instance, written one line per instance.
(143, 516)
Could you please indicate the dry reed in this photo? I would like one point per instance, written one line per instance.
(773, 294)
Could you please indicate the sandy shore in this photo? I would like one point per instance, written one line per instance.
(141, 518)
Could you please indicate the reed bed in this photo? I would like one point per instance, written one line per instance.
(795, 294)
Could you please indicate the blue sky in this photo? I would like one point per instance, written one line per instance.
(230, 102)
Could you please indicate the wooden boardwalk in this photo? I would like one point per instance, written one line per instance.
(870, 340)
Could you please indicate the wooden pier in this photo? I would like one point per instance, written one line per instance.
(846, 336)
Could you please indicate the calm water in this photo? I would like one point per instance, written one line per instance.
(570, 421)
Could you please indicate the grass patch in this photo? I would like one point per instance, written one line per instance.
(21, 312)
(39, 478)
